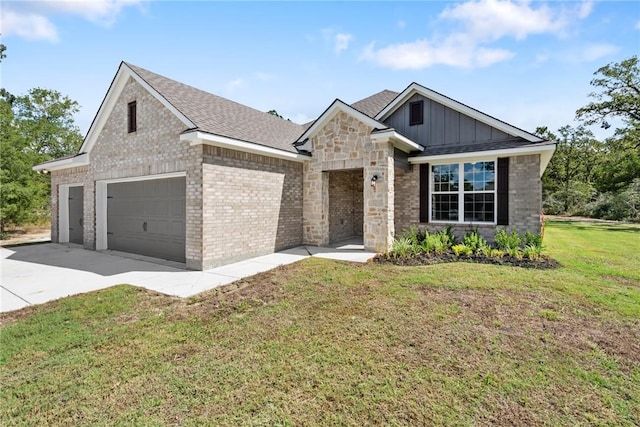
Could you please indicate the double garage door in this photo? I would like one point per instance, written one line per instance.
(148, 217)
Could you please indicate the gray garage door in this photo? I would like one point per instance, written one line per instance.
(76, 229)
(147, 217)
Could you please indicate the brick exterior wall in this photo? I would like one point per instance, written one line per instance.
(525, 200)
(252, 205)
(153, 149)
(525, 193)
(407, 198)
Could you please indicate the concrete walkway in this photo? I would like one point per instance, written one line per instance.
(34, 274)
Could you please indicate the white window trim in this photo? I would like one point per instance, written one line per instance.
(461, 192)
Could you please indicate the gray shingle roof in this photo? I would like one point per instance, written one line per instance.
(220, 116)
(373, 104)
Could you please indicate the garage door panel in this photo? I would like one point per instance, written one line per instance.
(148, 217)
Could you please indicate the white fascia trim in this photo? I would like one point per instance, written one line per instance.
(454, 105)
(197, 138)
(114, 92)
(72, 162)
(400, 141)
(336, 107)
(545, 151)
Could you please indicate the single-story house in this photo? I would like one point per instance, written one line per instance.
(170, 171)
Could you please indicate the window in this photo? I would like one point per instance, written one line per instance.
(416, 113)
(473, 201)
(131, 117)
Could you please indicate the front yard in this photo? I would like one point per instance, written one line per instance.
(322, 342)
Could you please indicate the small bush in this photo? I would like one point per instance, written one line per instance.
(506, 241)
(414, 235)
(474, 241)
(447, 237)
(496, 253)
(532, 251)
(531, 239)
(401, 248)
(461, 250)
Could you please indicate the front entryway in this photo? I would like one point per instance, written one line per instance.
(346, 204)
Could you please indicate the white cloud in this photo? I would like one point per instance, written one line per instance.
(638, 25)
(455, 52)
(28, 26)
(33, 20)
(596, 51)
(342, 41)
(401, 24)
(585, 9)
(479, 24)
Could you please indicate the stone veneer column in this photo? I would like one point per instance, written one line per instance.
(315, 190)
(379, 200)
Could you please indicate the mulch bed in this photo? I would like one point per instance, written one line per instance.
(543, 262)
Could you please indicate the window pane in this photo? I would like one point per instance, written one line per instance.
(444, 207)
(447, 176)
(479, 176)
(479, 207)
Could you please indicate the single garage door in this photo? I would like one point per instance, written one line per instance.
(147, 217)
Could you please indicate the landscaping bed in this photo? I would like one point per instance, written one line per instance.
(416, 247)
(543, 262)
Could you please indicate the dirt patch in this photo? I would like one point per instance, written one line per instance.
(28, 234)
(543, 262)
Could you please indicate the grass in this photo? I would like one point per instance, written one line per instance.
(322, 342)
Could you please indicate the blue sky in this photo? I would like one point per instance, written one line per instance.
(528, 63)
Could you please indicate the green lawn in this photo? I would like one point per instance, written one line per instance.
(325, 343)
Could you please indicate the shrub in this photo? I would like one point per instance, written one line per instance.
(447, 237)
(461, 250)
(401, 248)
(515, 252)
(531, 239)
(413, 234)
(474, 241)
(506, 241)
(496, 253)
(532, 252)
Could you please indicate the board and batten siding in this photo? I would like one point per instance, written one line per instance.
(443, 126)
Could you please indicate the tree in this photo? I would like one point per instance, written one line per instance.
(568, 180)
(619, 94)
(274, 113)
(34, 128)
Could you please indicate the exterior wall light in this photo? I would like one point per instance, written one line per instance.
(374, 178)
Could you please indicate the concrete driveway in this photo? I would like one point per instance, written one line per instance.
(34, 274)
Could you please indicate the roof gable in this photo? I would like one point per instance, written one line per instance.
(198, 110)
(335, 107)
(414, 88)
(220, 116)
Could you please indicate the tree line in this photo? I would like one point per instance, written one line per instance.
(586, 176)
(595, 178)
(34, 127)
